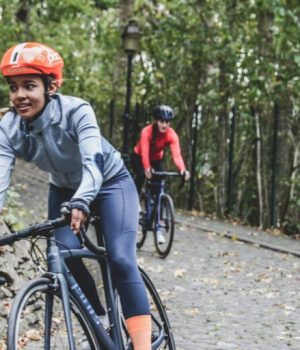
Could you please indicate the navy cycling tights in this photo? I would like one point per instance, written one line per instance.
(117, 206)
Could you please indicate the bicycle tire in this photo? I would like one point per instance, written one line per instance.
(26, 323)
(162, 334)
(165, 220)
(142, 229)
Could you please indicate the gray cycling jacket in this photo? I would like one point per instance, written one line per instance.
(64, 141)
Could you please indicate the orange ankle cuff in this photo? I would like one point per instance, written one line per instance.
(139, 329)
(138, 323)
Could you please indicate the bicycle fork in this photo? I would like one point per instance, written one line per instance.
(54, 265)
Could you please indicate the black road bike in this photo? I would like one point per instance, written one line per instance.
(51, 311)
(157, 213)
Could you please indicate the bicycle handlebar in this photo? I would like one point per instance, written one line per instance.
(34, 230)
(170, 173)
(87, 242)
(165, 173)
(44, 228)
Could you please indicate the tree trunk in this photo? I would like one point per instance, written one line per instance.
(295, 169)
(222, 142)
(259, 167)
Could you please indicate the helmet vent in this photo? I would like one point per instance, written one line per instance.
(16, 53)
(15, 57)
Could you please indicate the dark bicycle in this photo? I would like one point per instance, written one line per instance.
(157, 213)
(51, 311)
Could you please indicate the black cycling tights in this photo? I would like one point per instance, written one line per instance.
(117, 204)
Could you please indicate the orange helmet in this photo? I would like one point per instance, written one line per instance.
(32, 58)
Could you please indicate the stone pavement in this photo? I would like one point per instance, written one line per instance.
(271, 240)
(220, 293)
(224, 294)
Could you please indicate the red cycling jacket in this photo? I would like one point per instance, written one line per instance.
(162, 140)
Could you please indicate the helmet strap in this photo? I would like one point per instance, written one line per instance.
(47, 80)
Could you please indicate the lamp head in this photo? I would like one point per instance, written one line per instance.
(131, 37)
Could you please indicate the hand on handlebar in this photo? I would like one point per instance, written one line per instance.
(185, 174)
(77, 216)
(148, 173)
(78, 220)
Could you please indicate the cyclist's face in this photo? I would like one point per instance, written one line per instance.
(162, 125)
(27, 94)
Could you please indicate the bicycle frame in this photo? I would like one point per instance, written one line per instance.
(153, 207)
(57, 281)
(157, 213)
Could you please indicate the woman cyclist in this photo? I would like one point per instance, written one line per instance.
(149, 150)
(60, 135)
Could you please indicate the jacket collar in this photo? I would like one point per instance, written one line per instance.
(42, 121)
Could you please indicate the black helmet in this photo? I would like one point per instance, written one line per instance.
(163, 112)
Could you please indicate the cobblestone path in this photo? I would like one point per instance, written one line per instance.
(224, 294)
(220, 294)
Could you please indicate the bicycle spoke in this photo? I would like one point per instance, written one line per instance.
(31, 319)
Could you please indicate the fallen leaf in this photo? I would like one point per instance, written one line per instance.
(179, 273)
(33, 334)
(2, 345)
(192, 312)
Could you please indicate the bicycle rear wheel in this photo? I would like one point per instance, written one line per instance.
(165, 222)
(142, 229)
(36, 321)
(161, 332)
(162, 335)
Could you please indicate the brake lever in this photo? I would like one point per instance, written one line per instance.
(81, 235)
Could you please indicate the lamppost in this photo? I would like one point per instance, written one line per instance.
(131, 37)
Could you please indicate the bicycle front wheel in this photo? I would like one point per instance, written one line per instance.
(36, 321)
(164, 226)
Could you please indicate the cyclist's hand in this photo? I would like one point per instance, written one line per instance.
(148, 173)
(78, 219)
(185, 174)
(79, 213)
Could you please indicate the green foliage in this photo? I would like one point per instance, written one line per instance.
(13, 212)
(215, 53)
(86, 36)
